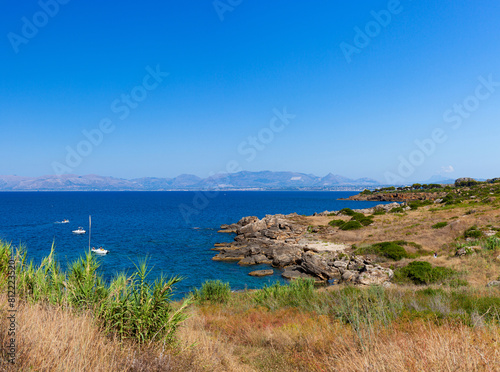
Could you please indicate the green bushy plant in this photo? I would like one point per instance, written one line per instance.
(473, 232)
(336, 223)
(347, 212)
(439, 225)
(298, 293)
(351, 225)
(491, 243)
(397, 210)
(129, 306)
(422, 272)
(391, 250)
(213, 291)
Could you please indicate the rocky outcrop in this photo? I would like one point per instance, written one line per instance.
(464, 181)
(493, 283)
(278, 240)
(398, 196)
(261, 272)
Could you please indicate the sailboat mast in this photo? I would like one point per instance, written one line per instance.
(90, 229)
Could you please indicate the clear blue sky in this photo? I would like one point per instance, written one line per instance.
(231, 68)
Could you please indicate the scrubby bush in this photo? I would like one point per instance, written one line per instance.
(298, 293)
(347, 212)
(213, 291)
(336, 223)
(421, 272)
(391, 250)
(379, 212)
(473, 232)
(362, 219)
(351, 225)
(491, 243)
(366, 192)
(397, 210)
(129, 306)
(439, 225)
(419, 203)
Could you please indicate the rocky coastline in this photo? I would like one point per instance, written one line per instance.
(286, 243)
(397, 196)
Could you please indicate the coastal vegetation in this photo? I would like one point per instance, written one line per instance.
(439, 311)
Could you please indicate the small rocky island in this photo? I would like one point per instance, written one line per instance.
(288, 243)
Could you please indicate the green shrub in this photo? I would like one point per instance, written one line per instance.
(337, 223)
(137, 308)
(366, 192)
(362, 219)
(347, 212)
(471, 302)
(213, 291)
(391, 250)
(473, 232)
(419, 203)
(439, 225)
(379, 212)
(298, 293)
(421, 272)
(351, 225)
(129, 306)
(397, 210)
(491, 243)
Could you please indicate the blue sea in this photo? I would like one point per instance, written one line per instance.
(175, 231)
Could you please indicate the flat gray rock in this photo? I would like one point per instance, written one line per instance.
(261, 272)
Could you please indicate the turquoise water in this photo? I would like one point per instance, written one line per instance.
(136, 225)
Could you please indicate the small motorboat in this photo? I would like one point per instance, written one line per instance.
(65, 221)
(99, 250)
(80, 230)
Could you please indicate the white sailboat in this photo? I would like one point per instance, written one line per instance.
(99, 250)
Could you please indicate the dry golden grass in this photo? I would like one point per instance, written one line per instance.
(288, 340)
(53, 339)
(414, 226)
(240, 337)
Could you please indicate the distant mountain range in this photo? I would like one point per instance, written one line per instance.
(244, 180)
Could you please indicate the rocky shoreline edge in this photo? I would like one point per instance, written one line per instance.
(282, 242)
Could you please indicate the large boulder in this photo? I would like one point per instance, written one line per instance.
(232, 255)
(284, 259)
(374, 275)
(295, 272)
(350, 276)
(262, 259)
(315, 264)
(247, 261)
(261, 272)
(246, 220)
(356, 264)
(252, 227)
